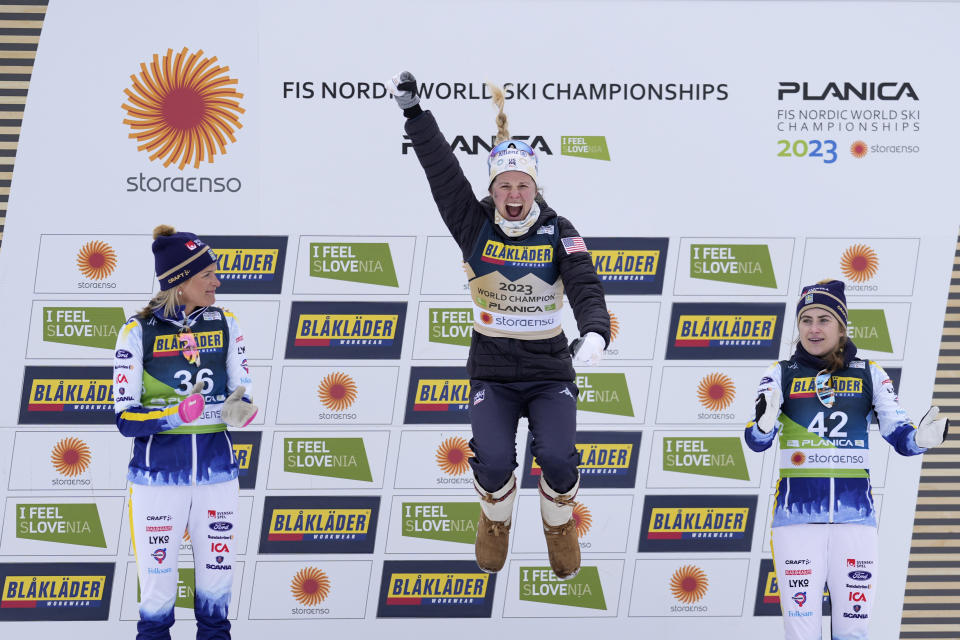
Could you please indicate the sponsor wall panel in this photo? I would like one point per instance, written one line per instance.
(612, 397)
(67, 395)
(246, 449)
(45, 460)
(533, 591)
(435, 589)
(354, 264)
(702, 459)
(444, 329)
(629, 266)
(438, 395)
(312, 589)
(697, 523)
(603, 523)
(186, 587)
(689, 587)
(57, 525)
(725, 331)
(55, 590)
(336, 396)
(346, 330)
(733, 266)
(249, 264)
(78, 329)
(879, 330)
(633, 329)
(94, 264)
(328, 459)
(434, 460)
(699, 396)
(443, 271)
(258, 319)
(314, 524)
(432, 524)
(768, 540)
(608, 460)
(241, 532)
(868, 266)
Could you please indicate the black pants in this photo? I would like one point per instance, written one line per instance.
(550, 406)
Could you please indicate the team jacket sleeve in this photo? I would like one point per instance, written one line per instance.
(582, 286)
(132, 418)
(895, 427)
(758, 440)
(458, 205)
(238, 371)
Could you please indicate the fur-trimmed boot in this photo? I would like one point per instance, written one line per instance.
(493, 530)
(560, 529)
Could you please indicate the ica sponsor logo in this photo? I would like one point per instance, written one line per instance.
(183, 109)
(716, 392)
(446, 521)
(310, 586)
(496, 252)
(366, 262)
(83, 326)
(77, 524)
(860, 264)
(540, 584)
(688, 585)
(747, 264)
(329, 457)
(604, 393)
(337, 392)
(96, 261)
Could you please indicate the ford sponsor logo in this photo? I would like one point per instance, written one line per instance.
(221, 526)
(860, 575)
(123, 354)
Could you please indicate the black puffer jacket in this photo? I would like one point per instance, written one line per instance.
(508, 359)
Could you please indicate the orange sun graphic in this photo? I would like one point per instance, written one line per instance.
(859, 263)
(485, 317)
(96, 260)
(858, 149)
(182, 108)
(582, 519)
(71, 457)
(452, 456)
(716, 391)
(614, 326)
(689, 584)
(337, 391)
(798, 458)
(310, 586)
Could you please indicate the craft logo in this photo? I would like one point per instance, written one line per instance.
(594, 147)
(310, 586)
(435, 589)
(604, 393)
(582, 519)
(843, 387)
(688, 585)
(608, 459)
(438, 395)
(83, 326)
(859, 263)
(447, 521)
(314, 524)
(629, 265)
(67, 395)
(858, 149)
(346, 330)
(716, 392)
(767, 602)
(453, 455)
(55, 591)
(716, 457)
(697, 523)
(337, 391)
(329, 457)
(734, 331)
(747, 264)
(367, 262)
(249, 264)
(182, 110)
(450, 325)
(165, 346)
(64, 523)
(868, 329)
(71, 457)
(540, 255)
(540, 584)
(246, 451)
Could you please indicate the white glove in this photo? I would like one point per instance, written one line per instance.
(768, 410)
(403, 89)
(235, 412)
(931, 431)
(587, 350)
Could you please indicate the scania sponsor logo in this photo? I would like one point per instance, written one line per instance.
(346, 330)
(847, 91)
(170, 345)
(435, 589)
(701, 523)
(629, 265)
(438, 395)
(745, 330)
(55, 591)
(608, 459)
(67, 395)
(310, 524)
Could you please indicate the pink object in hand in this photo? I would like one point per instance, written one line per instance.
(191, 408)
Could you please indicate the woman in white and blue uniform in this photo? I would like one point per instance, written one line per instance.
(180, 378)
(820, 403)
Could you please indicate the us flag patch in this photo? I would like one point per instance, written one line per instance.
(573, 244)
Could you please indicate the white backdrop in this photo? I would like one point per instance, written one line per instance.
(332, 169)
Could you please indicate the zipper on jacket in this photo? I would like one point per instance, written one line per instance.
(193, 442)
(147, 455)
(832, 491)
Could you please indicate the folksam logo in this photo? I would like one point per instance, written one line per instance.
(182, 109)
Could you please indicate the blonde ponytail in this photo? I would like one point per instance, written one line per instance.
(503, 134)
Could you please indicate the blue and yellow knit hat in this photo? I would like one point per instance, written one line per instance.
(827, 295)
(178, 256)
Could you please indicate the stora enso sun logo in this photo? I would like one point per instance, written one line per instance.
(716, 391)
(310, 586)
(452, 456)
(689, 584)
(96, 260)
(182, 108)
(70, 457)
(859, 263)
(337, 391)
